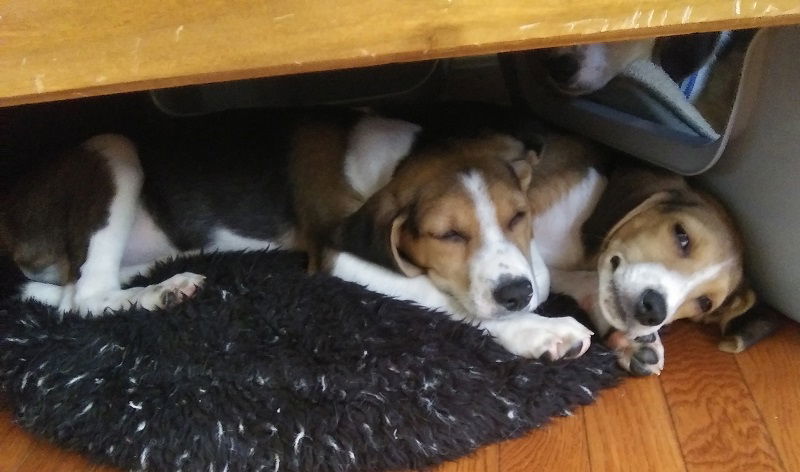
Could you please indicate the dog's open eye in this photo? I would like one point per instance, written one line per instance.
(518, 216)
(704, 303)
(452, 236)
(682, 239)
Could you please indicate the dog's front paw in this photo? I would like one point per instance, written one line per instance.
(640, 356)
(171, 291)
(547, 338)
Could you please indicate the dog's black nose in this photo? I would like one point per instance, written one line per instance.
(651, 308)
(562, 68)
(514, 295)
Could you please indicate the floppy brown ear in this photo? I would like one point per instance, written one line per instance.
(649, 202)
(372, 233)
(630, 191)
(736, 305)
(401, 263)
(742, 322)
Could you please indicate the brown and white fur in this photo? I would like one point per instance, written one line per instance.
(637, 247)
(67, 228)
(585, 68)
(442, 221)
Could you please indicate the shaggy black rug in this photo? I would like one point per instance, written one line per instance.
(270, 369)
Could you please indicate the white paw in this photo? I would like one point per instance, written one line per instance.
(539, 337)
(171, 291)
(640, 356)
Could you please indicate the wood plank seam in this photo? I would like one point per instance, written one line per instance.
(586, 434)
(672, 422)
(712, 409)
(760, 415)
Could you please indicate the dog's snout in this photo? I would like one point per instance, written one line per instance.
(562, 68)
(514, 295)
(651, 308)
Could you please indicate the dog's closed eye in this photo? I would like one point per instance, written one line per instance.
(452, 236)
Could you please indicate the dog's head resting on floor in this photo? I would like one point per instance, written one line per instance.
(586, 68)
(456, 211)
(667, 252)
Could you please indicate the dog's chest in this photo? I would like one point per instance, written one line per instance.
(557, 230)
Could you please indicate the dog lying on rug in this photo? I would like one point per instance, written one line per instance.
(442, 220)
(434, 207)
(636, 246)
(639, 248)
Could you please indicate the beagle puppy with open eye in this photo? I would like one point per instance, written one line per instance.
(436, 218)
(638, 248)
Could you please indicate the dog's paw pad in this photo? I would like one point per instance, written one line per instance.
(537, 337)
(577, 349)
(646, 339)
(173, 290)
(576, 339)
(646, 355)
(560, 338)
(637, 369)
(643, 356)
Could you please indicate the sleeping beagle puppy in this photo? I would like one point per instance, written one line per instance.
(441, 220)
(638, 248)
(452, 231)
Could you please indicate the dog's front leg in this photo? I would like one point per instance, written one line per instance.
(419, 290)
(524, 334)
(580, 285)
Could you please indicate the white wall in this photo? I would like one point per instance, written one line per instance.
(759, 177)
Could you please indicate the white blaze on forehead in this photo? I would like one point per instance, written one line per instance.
(633, 279)
(497, 257)
(484, 207)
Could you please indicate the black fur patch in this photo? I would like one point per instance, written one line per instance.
(268, 367)
(444, 120)
(363, 236)
(682, 55)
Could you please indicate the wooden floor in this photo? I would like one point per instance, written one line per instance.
(708, 411)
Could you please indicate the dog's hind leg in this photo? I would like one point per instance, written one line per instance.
(96, 289)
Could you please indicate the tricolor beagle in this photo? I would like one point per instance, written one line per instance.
(586, 68)
(638, 248)
(705, 66)
(440, 220)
